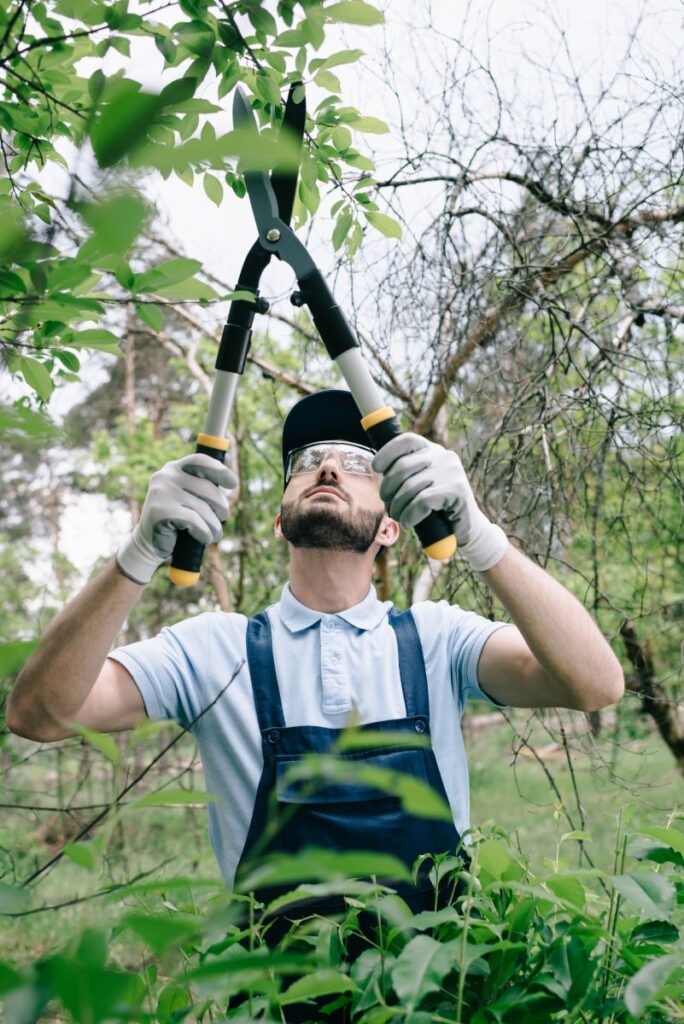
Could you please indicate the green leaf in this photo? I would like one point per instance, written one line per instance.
(187, 290)
(342, 138)
(370, 125)
(335, 59)
(237, 960)
(213, 188)
(83, 854)
(172, 798)
(655, 931)
(13, 654)
(167, 273)
(322, 983)
(643, 848)
(385, 225)
(584, 837)
(647, 983)
(354, 12)
(310, 196)
(95, 337)
(312, 864)
(328, 81)
(36, 376)
(653, 894)
(342, 226)
(115, 222)
(101, 741)
(567, 888)
(96, 85)
(671, 837)
(17, 422)
(493, 857)
(150, 315)
(161, 932)
(123, 122)
(9, 978)
(11, 284)
(420, 968)
(68, 359)
(262, 20)
(12, 230)
(197, 36)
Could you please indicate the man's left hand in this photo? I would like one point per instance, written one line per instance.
(420, 477)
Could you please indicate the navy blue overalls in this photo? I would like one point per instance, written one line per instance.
(344, 816)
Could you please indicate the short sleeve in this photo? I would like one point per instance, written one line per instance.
(464, 635)
(170, 669)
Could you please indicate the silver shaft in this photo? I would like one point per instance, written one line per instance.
(221, 403)
(367, 394)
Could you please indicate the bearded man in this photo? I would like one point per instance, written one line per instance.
(327, 654)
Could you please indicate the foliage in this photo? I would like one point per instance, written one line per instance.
(562, 944)
(70, 261)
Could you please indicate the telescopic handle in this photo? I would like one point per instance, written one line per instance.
(188, 553)
(435, 533)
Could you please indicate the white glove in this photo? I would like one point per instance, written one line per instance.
(182, 495)
(420, 477)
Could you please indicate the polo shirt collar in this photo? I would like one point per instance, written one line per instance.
(367, 614)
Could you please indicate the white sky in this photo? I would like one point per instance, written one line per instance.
(512, 36)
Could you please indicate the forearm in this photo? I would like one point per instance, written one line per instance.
(560, 633)
(59, 675)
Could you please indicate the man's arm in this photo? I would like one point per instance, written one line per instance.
(557, 656)
(67, 678)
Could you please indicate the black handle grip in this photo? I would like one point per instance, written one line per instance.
(435, 532)
(188, 553)
(335, 332)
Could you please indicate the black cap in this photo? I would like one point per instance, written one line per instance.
(325, 416)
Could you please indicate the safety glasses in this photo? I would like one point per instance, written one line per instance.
(352, 458)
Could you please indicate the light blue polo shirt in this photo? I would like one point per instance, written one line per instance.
(329, 667)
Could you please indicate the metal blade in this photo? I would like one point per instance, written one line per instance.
(285, 182)
(262, 198)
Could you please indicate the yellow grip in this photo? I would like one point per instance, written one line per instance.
(441, 549)
(221, 444)
(182, 578)
(377, 416)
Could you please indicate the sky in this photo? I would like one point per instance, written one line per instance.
(528, 45)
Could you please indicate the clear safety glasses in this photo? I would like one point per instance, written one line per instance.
(352, 458)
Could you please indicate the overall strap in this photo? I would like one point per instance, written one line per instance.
(269, 707)
(411, 664)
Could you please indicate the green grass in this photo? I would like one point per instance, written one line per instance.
(637, 775)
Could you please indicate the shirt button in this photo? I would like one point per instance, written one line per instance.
(420, 725)
(273, 736)
(329, 624)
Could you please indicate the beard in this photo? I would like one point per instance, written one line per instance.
(321, 527)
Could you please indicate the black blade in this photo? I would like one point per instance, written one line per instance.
(285, 182)
(259, 191)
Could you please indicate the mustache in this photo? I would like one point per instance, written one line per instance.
(330, 486)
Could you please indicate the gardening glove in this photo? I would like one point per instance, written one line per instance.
(420, 477)
(182, 495)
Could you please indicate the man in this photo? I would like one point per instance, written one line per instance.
(328, 650)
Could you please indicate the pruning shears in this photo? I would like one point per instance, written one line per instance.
(272, 199)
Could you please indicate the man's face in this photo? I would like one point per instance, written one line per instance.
(328, 507)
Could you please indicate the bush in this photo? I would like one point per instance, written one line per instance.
(567, 945)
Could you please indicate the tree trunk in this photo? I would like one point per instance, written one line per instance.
(654, 700)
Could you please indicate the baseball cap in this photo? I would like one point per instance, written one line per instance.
(330, 415)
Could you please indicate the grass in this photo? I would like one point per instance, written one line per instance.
(635, 774)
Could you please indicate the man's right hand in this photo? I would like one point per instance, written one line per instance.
(183, 495)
